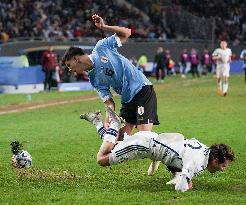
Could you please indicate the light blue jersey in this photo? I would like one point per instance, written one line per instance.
(111, 69)
(243, 56)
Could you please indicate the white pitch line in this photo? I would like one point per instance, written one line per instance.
(33, 107)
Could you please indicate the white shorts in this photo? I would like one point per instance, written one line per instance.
(222, 70)
(133, 147)
(165, 147)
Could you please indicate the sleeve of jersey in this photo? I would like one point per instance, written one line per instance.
(242, 54)
(112, 42)
(189, 165)
(104, 93)
(215, 53)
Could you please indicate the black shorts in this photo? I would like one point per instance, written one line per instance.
(142, 109)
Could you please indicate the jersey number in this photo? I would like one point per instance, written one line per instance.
(109, 72)
(199, 146)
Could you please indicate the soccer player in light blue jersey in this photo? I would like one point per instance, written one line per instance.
(107, 68)
(243, 58)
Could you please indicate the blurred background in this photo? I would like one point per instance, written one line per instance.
(33, 30)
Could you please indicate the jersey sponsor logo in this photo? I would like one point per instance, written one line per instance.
(104, 59)
(140, 110)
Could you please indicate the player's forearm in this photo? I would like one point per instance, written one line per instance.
(110, 103)
(122, 32)
(216, 57)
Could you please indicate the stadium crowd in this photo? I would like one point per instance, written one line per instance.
(152, 20)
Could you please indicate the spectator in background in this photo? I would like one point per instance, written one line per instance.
(4, 37)
(24, 60)
(159, 62)
(222, 56)
(142, 62)
(184, 62)
(168, 58)
(171, 67)
(205, 62)
(243, 58)
(49, 63)
(194, 60)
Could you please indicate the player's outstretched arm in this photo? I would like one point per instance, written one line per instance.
(122, 32)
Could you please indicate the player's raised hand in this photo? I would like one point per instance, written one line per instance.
(99, 23)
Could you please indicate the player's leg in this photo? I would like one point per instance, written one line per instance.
(46, 78)
(147, 117)
(225, 85)
(50, 74)
(146, 110)
(226, 80)
(219, 80)
(162, 74)
(141, 111)
(128, 113)
(109, 138)
(95, 119)
(157, 73)
(193, 70)
(153, 167)
(132, 147)
(196, 70)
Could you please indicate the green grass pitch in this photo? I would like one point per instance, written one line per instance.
(64, 149)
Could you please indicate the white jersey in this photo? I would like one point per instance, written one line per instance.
(225, 55)
(223, 65)
(188, 155)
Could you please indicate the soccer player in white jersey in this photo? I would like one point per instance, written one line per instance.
(109, 69)
(222, 56)
(185, 158)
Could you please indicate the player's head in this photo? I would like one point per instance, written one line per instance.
(71, 58)
(50, 48)
(219, 157)
(159, 50)
(223, 44)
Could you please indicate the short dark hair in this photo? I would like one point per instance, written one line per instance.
(221, 152)
(71, 52)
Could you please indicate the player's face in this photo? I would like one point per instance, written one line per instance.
(223, 44)
(218, 167)
(74, 65)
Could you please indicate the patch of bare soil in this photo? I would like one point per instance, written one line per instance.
(36, 105)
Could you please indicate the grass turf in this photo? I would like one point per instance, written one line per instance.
(64, 149)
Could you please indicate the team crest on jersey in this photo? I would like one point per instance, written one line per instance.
(104, 59)
(140, 110)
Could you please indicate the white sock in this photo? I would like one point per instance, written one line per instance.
(225, 87)
(219, 85)
(111, 132)
(99, 125)
(100, 129)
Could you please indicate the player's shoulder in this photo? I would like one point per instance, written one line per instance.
(217, 50)
(195, 143)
